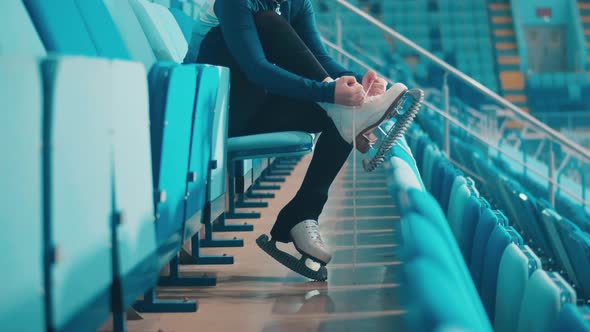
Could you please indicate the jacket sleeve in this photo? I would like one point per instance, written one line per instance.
(304, 24)
(239, 31)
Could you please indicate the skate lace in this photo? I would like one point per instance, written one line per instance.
(314, 233)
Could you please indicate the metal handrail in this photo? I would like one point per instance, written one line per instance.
(551, 180)
(469, 81)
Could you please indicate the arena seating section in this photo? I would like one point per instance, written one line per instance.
(115, 159)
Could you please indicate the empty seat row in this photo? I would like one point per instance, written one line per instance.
(505, 271)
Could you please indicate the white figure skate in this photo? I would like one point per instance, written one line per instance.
(369, 116)
(307, 240)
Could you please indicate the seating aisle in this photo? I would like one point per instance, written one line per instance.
(258, 294)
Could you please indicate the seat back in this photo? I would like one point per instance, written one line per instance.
(101, 28)
(200, 149)
(542, 301)
(578, 244)
(499, 240)
(172, 96)
(480, 238)
(21, 203)
(130, 31)
(78, 190)
(17, 34)
(516, 267)
(459, 195)
(161, 29)
(555, 226)
(61, 27)
(133, 177)
(570, 319)
(217, 181)
(185, 23)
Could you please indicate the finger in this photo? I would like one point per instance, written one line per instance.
(349, 80)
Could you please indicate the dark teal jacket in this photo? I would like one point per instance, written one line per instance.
(237, 32)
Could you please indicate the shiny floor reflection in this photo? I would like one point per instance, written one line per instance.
(364, 287)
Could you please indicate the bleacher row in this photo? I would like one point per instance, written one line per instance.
(466, 268)
(114, 156)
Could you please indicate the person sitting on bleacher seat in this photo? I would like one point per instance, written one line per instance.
(282, 79)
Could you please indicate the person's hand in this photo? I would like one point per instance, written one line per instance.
(379, 84)
(348, 92)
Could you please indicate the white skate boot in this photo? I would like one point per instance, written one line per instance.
(374, 111)
(307, 240)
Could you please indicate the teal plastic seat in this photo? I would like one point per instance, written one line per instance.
(457, 200)
(289, 143)
(130, 31)
(78, 184)
(516, 267)
(172, 96)
(544, 296)
(162, 31)
(480, 236)
(21, 203)
(132, 174)
(556, 227)
(570, 319)
(499, 240)
(18, 36)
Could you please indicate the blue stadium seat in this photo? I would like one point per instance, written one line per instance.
(578, 245)
(478, 242)
(162, 31)
(544, 296)
(516, 267)
(131, 32)
(21, 203)
(18, 36)
(499, 240)
(429, 312)
(557, 229)
(60, 27)
(132, 173)
(185, 23)
(172, 96)
(570, 319)
(457, 200)
(79, 190)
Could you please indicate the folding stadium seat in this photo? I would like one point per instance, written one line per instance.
(516, 267)
(21, 203)
(544, 296)
(570, 319)
(578, 247)
(427, 239)
(133, 186)
(425, 205)
(475, 237)
(184, 21)
(429, 312)
(499, 240)
(80, 210)
(162, 31)
(557, 230)
(17, 33)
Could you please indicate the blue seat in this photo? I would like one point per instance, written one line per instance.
(570, 319)
(479, 239)
(133, 188)
(433, 298)
(458, 198)
(80, 210)
(465, 231)
(18, 36)
(185, 23)
(497, 244)
(544, 296)
(558, 229)
(21, 203)
(172, 95)
(68, 36)
(516, 267)
(578, 245)
(425, 239)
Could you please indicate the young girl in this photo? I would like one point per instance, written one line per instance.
(282, 79)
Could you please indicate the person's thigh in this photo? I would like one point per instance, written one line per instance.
(286, 114)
